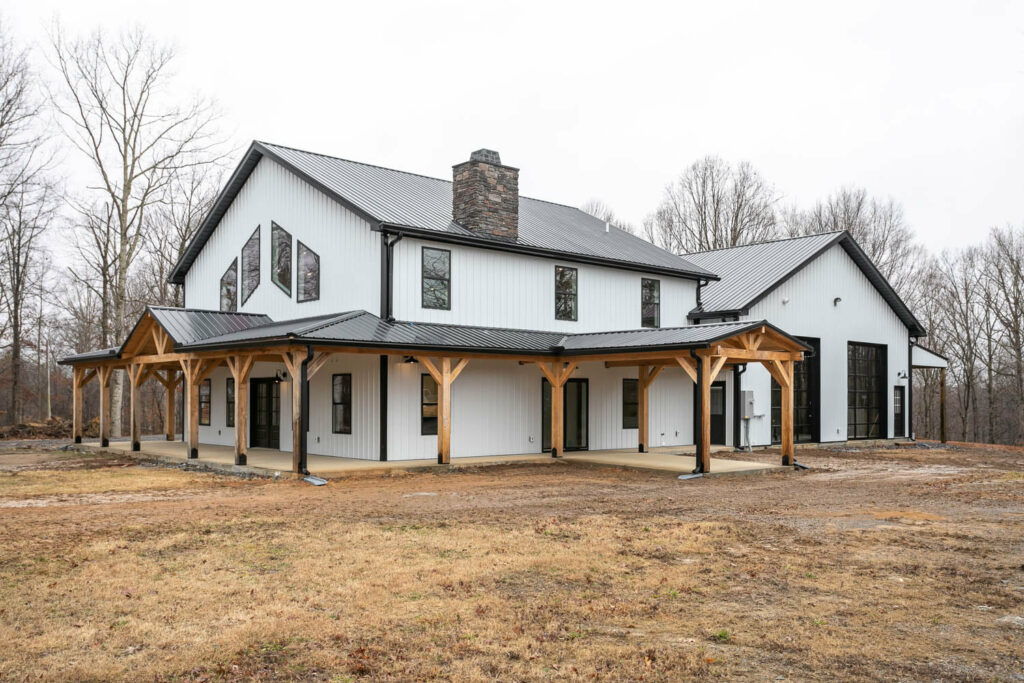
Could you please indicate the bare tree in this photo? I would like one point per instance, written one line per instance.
(713, 205)
(962, 297)
(115, 108)
(1005, 273)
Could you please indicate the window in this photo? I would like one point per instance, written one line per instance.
(866, 404)
(251, 265)
(565, 293)
(229, 288)
(899, 416)
(309, 274)
(650, 303)
(630, 404)
(341, 404)
(281, 258)
(229, 402)
(204, 402)
(437, 273)
(428, 405)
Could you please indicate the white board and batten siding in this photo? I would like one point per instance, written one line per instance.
(809, 310)
(349, 250)
(491, 288)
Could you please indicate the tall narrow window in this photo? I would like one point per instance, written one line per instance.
(281, 257)
(565, 293)
(204, 402)
(428, 405)
(650, 303)
(866, 401)
(251, 265)
(308, 284)
(229, 402)
(437, 272)
(341, 403)
(229, 288)
(630, 404)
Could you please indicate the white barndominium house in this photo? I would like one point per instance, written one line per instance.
(343, 309)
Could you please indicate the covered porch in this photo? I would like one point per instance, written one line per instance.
(181, 347)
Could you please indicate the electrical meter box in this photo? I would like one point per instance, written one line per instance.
(747, 401)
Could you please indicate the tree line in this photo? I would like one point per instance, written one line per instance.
(78, 263)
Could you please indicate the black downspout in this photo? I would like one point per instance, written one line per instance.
(910, 389)
(383, 408)
(304, 406)
(699, 427)
(737, 405)
(387, 275)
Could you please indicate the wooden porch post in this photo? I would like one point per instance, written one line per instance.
(444, 377)
(78, 381)
(704, 453)
(170, 383)
(293, 361)
(942, 405)
(104, 372)
(195, 371)
(134, 374)
(787, 413)
(240, 367)
(646, 375)
(557, 377)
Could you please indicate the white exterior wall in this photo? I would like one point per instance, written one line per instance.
(862, 316)
(503, 289)
(349, 250)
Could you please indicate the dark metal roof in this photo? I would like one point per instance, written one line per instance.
(420, 205)
(188, 325)
(98, 354)
(750, 272)
(676, 337)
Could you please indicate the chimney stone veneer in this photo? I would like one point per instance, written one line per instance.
(485, 195)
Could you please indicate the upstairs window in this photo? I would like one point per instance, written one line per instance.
(650, 303)
(204, 402)
(281, 258)
(437, 272)
(229, 402)
(341, 403)
(630, 404)
(229, 288)
(251, 265)
(308, 284)
(565, 293)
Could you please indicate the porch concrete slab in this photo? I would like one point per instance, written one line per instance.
(678, 459)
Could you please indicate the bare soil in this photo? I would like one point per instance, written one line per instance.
(876, 564)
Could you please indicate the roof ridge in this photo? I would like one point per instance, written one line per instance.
(330, 319)
(676, 327)
(763, 242)
(206, 310)
(472, 327)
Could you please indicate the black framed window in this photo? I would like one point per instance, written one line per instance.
(281, 258)
(899, 417)
(437, 278)
(229, 402)
(229, 288)
(565, 293)
(428, 405)
(204, 402)
(308, 284)
(650, 302)
(630, 403)
(866, 392)
(251, 265)
(341, 403)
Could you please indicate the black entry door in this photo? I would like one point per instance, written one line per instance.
(806, 393)
(265, 413)
(717, 413)
(575, 413)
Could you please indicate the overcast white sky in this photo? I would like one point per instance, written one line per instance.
(920, 101)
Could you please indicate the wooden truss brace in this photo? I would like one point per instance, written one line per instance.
(557, 375)
(444, 376)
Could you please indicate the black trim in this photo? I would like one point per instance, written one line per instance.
(229, 406)
(384, 369)
(209, 403)
(447, 280)
(698, 415)
(636, 383)
(882, 391)
(300, 245)
(241, 266)
(273, 261)
(910, 390)
(575, 293)
(437, 421)
(334, 427)
(737, 407)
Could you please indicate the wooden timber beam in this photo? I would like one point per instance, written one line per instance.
(240, 366)
(557, 374)
(135, 380)
(319, 359)
(161, 340)
(688, 366)
(78, 374)
(444, 376)
(645, 377)
(104, 373)
(170, 380)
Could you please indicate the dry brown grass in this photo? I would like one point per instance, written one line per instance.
(516, 573)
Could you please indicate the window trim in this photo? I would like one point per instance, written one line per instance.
(575, 293)
(256, 285)
(208, 401)
(625, 382)
(284, 287)
(234, 300)
(447, 281)
(334, 428)
(656, 303)
(299, 298)
(881, 392)
(229, 402)
(423, 378)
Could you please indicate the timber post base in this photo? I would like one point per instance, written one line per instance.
(136, 446)
(241, 459)
(78, 439)
(105, 442)
(193, 454)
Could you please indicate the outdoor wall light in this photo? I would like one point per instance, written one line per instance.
(835, 302)
(785, 301)
(408, 359)
(280, 376)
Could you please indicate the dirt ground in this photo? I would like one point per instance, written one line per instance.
(888, 564)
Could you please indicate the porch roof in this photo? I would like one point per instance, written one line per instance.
(196, 330)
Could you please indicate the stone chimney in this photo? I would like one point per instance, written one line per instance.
(485, 195)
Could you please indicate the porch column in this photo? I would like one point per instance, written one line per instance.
(942, 405)
(646, 375)
(134, 377)
(240, 367)
(708, 367)
(782, 372)
(104, 372)
(195, 371)
(444, 378)
(170, 382)
(557, 377)
(80, 379)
